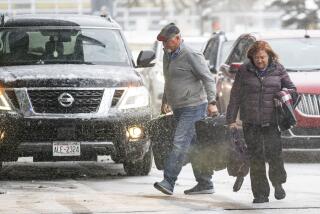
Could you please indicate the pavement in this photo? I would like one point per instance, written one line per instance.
(103, 187)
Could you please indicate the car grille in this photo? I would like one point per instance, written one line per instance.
(40, 132)
(309, 104)
(305, 131)
(46, 101)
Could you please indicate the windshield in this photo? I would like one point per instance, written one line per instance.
(298, 53)
(225, 50)
(27, 46)
(195, 45)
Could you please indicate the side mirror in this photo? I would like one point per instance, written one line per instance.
(145, 59)
(234, 67)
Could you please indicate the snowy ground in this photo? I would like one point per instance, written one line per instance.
(90, 187)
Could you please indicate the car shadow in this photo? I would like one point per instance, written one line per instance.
(60, 170)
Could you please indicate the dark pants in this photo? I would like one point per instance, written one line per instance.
(264, 145)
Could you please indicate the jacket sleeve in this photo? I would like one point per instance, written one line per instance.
(235, 98)
(285, 80)
(288, 84)
(201, 70)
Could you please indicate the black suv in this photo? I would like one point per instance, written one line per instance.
(69, 91)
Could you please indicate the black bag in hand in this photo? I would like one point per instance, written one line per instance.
(220, 147)
(161, 132)
(238, 163)
(213, 142)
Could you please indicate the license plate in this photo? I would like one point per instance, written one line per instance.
(66, 148)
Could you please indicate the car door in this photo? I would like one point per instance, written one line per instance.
(211, 52)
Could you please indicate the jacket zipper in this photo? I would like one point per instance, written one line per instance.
(260, 101)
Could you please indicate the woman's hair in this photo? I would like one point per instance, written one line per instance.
(262, 46)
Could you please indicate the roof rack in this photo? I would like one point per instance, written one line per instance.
(107, 17)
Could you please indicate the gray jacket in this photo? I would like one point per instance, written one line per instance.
(188, 81)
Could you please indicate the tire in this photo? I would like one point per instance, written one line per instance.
(141, 167)
(116, 158)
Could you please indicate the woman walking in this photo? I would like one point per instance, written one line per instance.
(253, 92)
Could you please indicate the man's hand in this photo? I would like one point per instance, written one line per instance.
(212, 110)
(165, 108)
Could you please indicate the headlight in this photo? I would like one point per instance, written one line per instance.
(134, 133)
(4, 105)
(134, 97)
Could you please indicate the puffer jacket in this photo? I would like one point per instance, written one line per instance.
(254, 95)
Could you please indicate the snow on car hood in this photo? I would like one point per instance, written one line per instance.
(69, 75)
(306, 82)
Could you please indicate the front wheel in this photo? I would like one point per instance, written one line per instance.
(116, 158)
(141, 167)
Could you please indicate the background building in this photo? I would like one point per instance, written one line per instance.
(194, 17)
(13, 7)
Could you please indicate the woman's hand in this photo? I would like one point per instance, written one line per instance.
(233, 125)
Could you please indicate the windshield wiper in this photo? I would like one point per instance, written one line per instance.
(303, 69)
(292, 70)
(18, 63)
(67, 62)
(82, 62)
(311, 69)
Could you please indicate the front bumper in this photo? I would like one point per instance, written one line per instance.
(10, 134)
(301, 145)
(34, 136)
(301, 138)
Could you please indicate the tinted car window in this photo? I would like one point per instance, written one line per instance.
(225, 50)
(210, 53)
(240, 51)
(57, 45)
(195, 45)
(298, 53)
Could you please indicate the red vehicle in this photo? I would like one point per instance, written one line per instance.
(299, 52)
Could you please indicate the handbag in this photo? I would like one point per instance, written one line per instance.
(220, 147)
(161, 131)
(213, 142)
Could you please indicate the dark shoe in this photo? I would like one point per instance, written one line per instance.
(279, 192)
(237, 184)
(164, 186)
(260, 200)
(199, 189)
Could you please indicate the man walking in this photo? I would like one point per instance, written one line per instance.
(190, 92)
